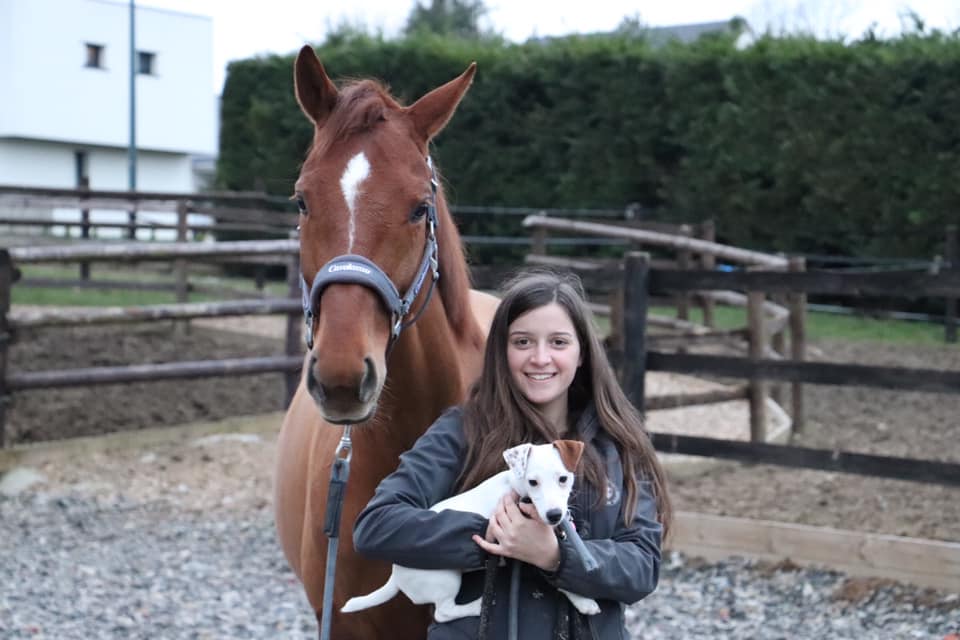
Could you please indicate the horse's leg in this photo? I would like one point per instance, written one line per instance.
(291, 475)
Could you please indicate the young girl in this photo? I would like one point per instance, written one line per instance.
(545, 376)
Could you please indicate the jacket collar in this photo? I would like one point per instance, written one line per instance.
(588, 423)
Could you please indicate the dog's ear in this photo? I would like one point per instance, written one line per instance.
(570, 452)
(517, 458)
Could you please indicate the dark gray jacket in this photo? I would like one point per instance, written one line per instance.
(398, 527)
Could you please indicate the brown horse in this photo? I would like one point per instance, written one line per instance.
(369, 203)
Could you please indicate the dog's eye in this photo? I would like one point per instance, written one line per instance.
(534, 483)
(563, 479)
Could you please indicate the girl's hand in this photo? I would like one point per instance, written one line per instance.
(515, 531)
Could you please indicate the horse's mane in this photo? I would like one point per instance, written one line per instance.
(454, 282)
(361, 104)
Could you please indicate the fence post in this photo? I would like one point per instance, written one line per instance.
(798, 342)
(684, 260)
(953, 260)
(180, 265)
(132, 220)
(7, 278)
(636, 275)
(615, 337)
(260, 277)
(294, 341)
(758, 386)
(778, 342)
(84, 225)
(708, 262)
(538, 242)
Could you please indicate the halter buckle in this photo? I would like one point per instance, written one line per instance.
(308, 333)
(397, 324)
(346, 445)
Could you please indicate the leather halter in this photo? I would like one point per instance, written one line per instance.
(355, 269)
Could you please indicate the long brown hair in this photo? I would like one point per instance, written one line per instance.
(497, 416)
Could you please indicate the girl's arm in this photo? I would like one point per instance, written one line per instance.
(397, 525)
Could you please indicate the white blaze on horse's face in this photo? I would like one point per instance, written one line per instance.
(361, 189)
(358, 169)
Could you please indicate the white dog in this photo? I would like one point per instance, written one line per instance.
(542, 473)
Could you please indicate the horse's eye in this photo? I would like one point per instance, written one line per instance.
(534, 483)
(563, 479)
(301, 204)
(419, 211)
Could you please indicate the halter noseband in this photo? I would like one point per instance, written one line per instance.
(355, 269)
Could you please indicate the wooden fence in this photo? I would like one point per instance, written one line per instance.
(222, 211)
(638, 280)
(12, 382)
(692, 246)
(641, 280)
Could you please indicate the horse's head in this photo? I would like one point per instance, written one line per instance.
(369, 232)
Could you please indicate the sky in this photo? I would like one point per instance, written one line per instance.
(242, 29)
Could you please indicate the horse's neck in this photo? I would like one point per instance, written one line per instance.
(427, 372)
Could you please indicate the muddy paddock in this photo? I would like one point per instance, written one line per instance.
(851, 418)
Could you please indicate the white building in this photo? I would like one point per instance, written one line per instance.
(65, 95)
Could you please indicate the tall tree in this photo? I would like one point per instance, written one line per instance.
(459, 18)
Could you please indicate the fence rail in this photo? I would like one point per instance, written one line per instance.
(631, 285)
(883, 283)
(767, 358)
(758, 369)
(893, 378)
(37, 318)
(893, 467)
(12, 382)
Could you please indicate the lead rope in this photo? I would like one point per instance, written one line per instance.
(489, 595)
(513, 623)
(563, 630)
(331, 525)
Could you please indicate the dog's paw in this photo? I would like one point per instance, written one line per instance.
(588, 608)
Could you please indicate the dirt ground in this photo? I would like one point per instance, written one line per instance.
(50, 414)
(851, 418)
(859, 419)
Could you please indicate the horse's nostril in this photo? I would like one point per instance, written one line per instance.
(368, 384)
(313, 385)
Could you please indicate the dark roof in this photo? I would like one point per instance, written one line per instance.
(659, 36)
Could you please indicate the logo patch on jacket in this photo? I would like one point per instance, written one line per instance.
(613, 494)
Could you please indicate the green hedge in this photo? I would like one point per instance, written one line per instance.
(790, 144)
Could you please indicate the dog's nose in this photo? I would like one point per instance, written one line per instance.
(554, 516)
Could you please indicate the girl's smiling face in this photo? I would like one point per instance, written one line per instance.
(543, 354)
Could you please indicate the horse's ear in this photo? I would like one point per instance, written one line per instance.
(570, 452)
(431, 112)
(316, 94)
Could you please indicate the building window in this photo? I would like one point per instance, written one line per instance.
(145, 62)
(82, 163)
(94, 56)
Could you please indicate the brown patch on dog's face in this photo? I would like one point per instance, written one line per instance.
(570, 452)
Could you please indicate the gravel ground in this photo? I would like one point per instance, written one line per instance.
(76, 569)
(177, 541)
